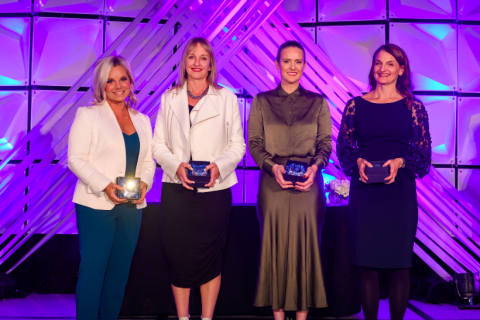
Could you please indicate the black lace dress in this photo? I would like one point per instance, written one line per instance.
(383, 218)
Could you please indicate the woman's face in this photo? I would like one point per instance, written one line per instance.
(117, 88)
(291, 64)
(198, 63)
(386, 69)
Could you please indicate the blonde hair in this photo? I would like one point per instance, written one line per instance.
(212, 74)
(100, 77)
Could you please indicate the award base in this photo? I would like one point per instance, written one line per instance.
(377, 173)
(295, 170)
(131, 188)
(198, 174)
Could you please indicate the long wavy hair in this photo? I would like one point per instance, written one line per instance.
(212, 74)
(404, 83)
(101, 72)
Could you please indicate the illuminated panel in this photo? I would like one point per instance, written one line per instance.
(251, 185)
(14, 62)
(15, 6)
(63, 49)
(422, 9)
(351, 49)
(351, 10)
(69, 6)
(468, 185)
(4, 173)
(249, 162)
(13, 122)
(469, 58)
(238, 189)
(154, 195)
(115, 28)
(468, 9)
(432, 51)
(241, 107)
(468, 130)
(124, 8)
(449, 174)
(42, 103)
(442, 119)
(302, 10)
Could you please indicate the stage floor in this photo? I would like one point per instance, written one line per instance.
(62, 306)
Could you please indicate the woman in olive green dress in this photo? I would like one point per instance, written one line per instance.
(290, 122)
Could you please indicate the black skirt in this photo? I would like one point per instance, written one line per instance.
(194, 233)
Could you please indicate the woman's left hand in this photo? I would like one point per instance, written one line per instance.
(143, 193)
(214, 174)
(310, 175)
(394, 164)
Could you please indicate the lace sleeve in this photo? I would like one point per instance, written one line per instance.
(347, 150)
(419, 152)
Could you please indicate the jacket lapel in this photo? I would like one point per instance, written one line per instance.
(179, 105)
(206, 107)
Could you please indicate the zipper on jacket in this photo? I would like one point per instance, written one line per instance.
(228, 141)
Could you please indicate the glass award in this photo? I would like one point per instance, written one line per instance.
(131, 188)
(198, 174)
(295, 170)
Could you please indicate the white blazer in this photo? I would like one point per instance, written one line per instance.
(216, 134)
(97, 155)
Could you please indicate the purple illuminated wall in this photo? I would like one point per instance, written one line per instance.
(46, 54)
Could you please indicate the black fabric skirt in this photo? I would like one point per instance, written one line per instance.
(194, 233)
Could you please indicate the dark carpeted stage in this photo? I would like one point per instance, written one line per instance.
(53, 268)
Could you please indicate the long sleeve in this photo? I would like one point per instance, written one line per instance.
(324, 137)
(79, 143)
(255, 138)
(419, 152)
(148, 166)
(161, 152)
(228, 161)
(347, 149)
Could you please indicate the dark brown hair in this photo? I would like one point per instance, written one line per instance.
(288, 44)
(404, 84)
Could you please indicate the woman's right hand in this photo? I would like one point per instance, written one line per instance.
(362, 163)
(110, 192)
(182, 175)
(278, 171)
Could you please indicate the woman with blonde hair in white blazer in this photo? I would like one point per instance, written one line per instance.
(108, 139)
(197, 121)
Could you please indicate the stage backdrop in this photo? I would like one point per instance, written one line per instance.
(48, 44)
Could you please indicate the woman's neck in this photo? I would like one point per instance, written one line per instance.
(117, 106)
(289, 87)
(386, 92)
(197, 86)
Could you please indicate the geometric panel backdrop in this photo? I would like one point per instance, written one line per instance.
(302, 10)
(469, 184)
(42, 102)
(351, 49)
(449, 174)
(469, 58)
(15, 6)
(469, 131)
(14, 62)
(442, 120)
(13, 120)
(351, 10)
(468, 9)
(124, 8)
(63, 49)
(423, 9)
(432, 51)
(237, 189)
(249, 162)
(70, 6)
(251, 185)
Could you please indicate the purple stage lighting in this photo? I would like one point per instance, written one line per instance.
(15, 56)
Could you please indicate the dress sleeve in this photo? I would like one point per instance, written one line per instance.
(255, 138)
(347, 150)
(324, 137)
(419, 152)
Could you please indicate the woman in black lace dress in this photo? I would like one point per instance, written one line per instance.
(387, 124)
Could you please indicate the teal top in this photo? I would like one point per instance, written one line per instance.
(132, 147)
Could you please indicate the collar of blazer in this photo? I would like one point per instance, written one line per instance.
(105, 107)
(206, 108)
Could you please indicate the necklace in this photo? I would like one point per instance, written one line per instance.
(203, 94)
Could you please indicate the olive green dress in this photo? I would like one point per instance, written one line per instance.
(293, 126)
